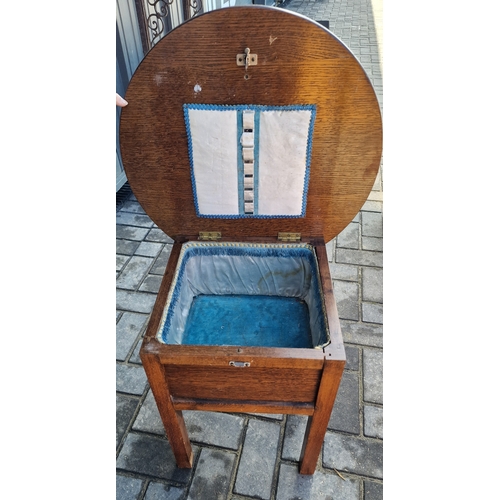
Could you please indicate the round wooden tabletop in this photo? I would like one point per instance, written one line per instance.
(299, 63)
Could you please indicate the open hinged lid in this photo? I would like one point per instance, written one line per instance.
(251, 121)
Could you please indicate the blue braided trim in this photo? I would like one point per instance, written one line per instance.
(258, 107)
(249, 216)
(191, 162)
(308, 160)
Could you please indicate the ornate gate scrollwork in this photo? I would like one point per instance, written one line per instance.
(158, 17)
(157, 20)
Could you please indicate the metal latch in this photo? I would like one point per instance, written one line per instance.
(239, 364)
(246, 59)
(289, 236)
(209, 235)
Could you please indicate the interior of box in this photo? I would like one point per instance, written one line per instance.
(264, 295)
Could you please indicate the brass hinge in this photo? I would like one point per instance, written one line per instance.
(289, 236)
(209, 235)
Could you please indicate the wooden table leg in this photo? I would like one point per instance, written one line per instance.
(318, 422)
(172, 419)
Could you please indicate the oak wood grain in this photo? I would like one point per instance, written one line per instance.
(298, 385)
(318, 422)
(299, 62)
(172, 419)
(236, 406)
(161, 298)
(259, 357)
(336, 349)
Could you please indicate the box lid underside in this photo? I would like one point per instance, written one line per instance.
(191, 74)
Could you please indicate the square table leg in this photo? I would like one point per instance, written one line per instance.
(172, 419)
(318, 422)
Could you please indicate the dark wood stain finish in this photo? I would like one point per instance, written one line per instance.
(304, 64)
(299, 62)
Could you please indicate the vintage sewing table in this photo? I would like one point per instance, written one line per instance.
(252, 137)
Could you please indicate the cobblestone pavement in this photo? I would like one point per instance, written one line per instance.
(247, 456)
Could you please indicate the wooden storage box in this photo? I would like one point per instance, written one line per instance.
(252, 137)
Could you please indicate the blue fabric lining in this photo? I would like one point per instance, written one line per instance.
(246, 320)
(257, 252)
(257, 108)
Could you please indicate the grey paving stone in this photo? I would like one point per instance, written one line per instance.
(126, 247)
(377, 185)
(256, 469)
(161, 261)
(135, 358)
(361, 333)
(372, 206)
(219, 429)
(149, 249)
(372, 284)
(134, 272)
(371, 223)
(148, 419)
(152, 456)
(160, 491)
(135, 301)
(372, 375)
(274, 416)
(376, 196)
(129, 219)
(349, 237)
(320, 486)
(372, 313)
(330, 247)
(373, 421)
(375, 244)
(127, 488)
(159, 236)
(212, 477)
(347, 297)
(130, 379)
(132, 206)
(345, 272)
(353, 454)
(373, 490)
(131, 232)
(121, 261)
(151, 283)
(359, 257)
(125, 409)
(345, 413)
(127, 331)
(352, 358)
(294, 437)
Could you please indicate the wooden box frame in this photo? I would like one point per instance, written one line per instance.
(277, 380)
(195, 62)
